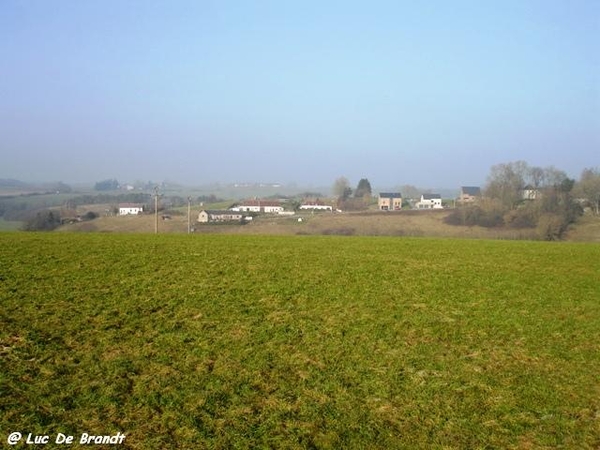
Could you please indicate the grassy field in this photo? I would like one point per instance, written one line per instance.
(221, 341)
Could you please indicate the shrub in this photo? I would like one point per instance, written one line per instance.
(46, 220)
(550, 227)
(90, 215)
(353, 204)
(466, 215)
(521, 218)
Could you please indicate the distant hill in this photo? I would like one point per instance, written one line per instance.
(13, 184)
(9, 186)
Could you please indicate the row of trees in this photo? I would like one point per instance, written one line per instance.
(522, 196)
(352, 200)
(588, 188)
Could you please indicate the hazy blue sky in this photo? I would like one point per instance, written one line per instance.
(430, 93)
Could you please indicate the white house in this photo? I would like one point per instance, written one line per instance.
(430, 201)
(530, 193)
(212, 215)
(266, 206)
(315, 206)
(273, 209)
(130, 208)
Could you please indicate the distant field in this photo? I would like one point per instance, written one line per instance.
(6, 225)
(221, 341)
(373, 223)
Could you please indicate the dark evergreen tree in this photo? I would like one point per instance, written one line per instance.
(363, 188)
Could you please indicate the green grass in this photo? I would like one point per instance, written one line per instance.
(214, 341)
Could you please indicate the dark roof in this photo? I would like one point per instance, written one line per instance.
(431, 196)
(471, 190)
(390, 195)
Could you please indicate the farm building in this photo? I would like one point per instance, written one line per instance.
(315, 206)
(130, 208)
(469, 194)
(266, 206)
(212, 215)
(430, 201)
(389, 201)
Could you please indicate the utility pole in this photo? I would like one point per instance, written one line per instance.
(189, 214)
(156, 210)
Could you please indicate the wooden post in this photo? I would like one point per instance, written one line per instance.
(189, 214)
(156, 210)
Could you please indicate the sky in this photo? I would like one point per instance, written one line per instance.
(428, 93)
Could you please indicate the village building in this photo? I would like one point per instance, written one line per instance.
(389, 201)
(130, 208)
(266, 206)
(315, 205)
(469, 194)
(530, 193)
(430, 201)
(213, 215)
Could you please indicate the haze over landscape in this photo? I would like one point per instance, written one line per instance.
(430, 94)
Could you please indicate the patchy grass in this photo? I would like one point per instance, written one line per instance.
(212, 341)
(587, 229)
(374, 223)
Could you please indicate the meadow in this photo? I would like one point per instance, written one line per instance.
(222, 341)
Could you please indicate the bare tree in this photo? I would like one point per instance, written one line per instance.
(536, 176)
(506, 181)
(410, 191)
(589, 187)
(341, 188)
(553, 177)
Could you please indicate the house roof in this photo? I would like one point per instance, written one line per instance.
(254, 202)
(390, 195)
(222, 212)
(315, 205)
(312, 201)
(471, 190)
(130, 205)
(431, 196)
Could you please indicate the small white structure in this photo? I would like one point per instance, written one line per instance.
(273, 209)
(126, 209)
(266, 206)
(530, 193)
(430, 201)
(211, 215)
(316, 207)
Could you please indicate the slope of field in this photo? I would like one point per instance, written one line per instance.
(220, 341)
(587, 229)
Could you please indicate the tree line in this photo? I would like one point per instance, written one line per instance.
(518, 195)
(352, 200)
